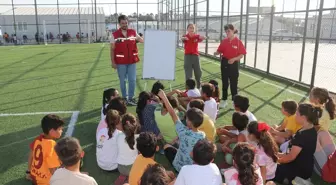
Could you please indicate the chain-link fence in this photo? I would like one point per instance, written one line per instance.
(293, 39)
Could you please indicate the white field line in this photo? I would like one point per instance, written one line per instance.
(35, 113)
(256, 78)
(71, 126)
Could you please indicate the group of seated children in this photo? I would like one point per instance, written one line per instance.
(255, 153)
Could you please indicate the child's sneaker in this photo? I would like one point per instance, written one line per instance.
(223, 104)
(300, 181)
(132, 102)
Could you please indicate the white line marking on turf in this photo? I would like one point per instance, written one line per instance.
(71, 126)
(35, 113)
(256, 78)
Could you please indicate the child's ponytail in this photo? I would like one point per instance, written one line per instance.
(216, 92)
(265, 139)
(144, 97)
(331, 108)
(130, 128)
(324, 98)
(112, 120)
(243, 156)
(107, 97)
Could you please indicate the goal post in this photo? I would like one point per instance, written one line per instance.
(67, 31)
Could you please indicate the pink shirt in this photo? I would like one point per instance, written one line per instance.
(231, 177)
(264, 160)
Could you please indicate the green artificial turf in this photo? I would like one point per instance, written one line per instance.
(72, 77)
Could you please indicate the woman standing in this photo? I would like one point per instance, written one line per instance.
(232, 50)
(191, 55)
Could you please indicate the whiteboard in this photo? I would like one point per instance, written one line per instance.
(159, 55)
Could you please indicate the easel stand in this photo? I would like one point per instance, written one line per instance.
(146, 82)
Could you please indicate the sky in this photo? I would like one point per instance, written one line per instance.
(150, 6)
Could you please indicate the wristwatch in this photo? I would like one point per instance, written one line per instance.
(27, 172)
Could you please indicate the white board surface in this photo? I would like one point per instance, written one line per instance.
(159, 55)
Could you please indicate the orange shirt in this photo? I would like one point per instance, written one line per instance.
(231, 48)
(44, 158)
(139, 166)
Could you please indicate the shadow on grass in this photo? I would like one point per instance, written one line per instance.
(18, 62)
(31, 69)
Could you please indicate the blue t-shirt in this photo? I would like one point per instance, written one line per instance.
(188, 139)
(148, 116)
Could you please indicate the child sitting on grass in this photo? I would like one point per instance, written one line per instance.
(108, 95)
(145, 111)
(43, 160)
(187, 95)
(207, 126)
(147, 146)
(165, 123)
(210, 104)
(216, 93)
(203, 171)
(156, 175)
(70, 154)
(107, 150)
(188, 136)
(266, 149)
(243, 172)
(127, 151)
(289, 126)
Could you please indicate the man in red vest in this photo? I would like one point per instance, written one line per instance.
(124, 56)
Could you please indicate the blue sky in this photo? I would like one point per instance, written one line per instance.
(286, 5)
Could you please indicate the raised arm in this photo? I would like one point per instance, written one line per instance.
(170, 109)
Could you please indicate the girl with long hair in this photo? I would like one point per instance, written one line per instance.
(244, 171)
(266, 149)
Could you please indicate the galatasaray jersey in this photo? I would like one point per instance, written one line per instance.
(44, 158)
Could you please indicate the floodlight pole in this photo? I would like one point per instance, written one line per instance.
(37, 24)
(59, 24)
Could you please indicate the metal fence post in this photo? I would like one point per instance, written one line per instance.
(195, 13)
(158, 17)
(246, 26)
(318, 31)
(14, 24)
(257, 36)
(96, 20)
(222, 19)
(37, 24)
(270, 40)
(207, 27)
(304, 40)
(228, 13)
(241, 18)
(178, 23)
(137, 20)
(79, 24)
(59, 24)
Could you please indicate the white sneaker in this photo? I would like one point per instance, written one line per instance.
(300, 181)
(223, 104)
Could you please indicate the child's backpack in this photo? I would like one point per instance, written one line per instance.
(328, 170)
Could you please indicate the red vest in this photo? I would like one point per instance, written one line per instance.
(125, 51)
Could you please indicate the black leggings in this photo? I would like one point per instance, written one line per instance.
(230, 74)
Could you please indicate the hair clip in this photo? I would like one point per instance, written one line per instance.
(263, 127)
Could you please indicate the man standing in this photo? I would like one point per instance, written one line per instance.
(124, 56)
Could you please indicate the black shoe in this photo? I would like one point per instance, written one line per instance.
(132, 102)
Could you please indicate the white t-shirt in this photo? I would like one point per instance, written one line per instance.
(63, 176)
(210, 108)
(199, 175)
(126, 156)
(107, 149)
(250, 116)
(193, 93)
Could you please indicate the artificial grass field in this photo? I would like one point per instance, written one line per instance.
(72, 77)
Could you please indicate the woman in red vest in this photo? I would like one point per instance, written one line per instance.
(191, 55)
(124, 56)
(231, 50)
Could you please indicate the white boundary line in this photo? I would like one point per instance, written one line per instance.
(71, 126)
(256, 78)
(35, 113)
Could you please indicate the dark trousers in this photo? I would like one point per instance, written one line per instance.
(230, 74)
